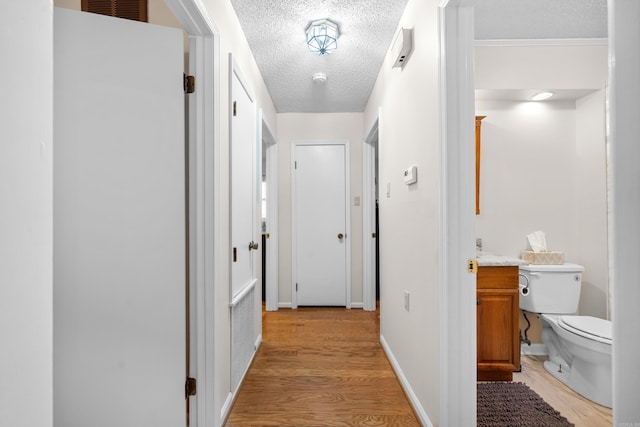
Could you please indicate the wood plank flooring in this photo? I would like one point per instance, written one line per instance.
(575, 408)
(321, 367)
(325, 367)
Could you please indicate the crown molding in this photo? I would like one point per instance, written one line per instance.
(543, 42)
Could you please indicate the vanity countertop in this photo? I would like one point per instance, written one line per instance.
(491, 260)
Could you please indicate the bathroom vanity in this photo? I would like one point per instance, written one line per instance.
(498, 342)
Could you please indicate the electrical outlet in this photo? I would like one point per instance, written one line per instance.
(406, 300)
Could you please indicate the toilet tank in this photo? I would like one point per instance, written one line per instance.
(553, 289)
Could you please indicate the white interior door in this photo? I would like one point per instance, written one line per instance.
(320, 224)
(119, 223)
(243, 187)
(369, 234)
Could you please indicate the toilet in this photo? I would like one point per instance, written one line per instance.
(579, 346)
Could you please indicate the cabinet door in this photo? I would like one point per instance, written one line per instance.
(497, 333)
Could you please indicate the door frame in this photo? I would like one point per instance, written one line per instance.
(368, 218)
(271, 152)
(457, 319)
(204, 204)
(294, 225)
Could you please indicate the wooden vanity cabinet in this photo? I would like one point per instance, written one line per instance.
(498, 343)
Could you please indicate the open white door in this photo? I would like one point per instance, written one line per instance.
(119, 223)
(369, 235)
(270, 152)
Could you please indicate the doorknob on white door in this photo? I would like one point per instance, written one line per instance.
(253, 245)
(340, 236)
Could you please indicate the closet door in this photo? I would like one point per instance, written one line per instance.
(119, 223)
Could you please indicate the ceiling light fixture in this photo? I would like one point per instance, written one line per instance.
(541, 96)
(322, 37)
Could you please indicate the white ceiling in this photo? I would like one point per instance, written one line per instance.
(540, 19)
(275, 30)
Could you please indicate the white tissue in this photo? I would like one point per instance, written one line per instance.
(537, 241)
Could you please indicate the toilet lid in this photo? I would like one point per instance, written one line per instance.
(587, 326)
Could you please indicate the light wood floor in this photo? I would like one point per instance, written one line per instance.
(325, 367)
(321, 367)
(575, 408)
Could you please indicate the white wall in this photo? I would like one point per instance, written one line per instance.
(591, 227)
(540, 67)
(527, 174)
(543, 168)
(407, 102)
(549, 158)
(26, 396)
(311, 126)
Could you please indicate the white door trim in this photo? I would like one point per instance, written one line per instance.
(624, 175)
(368, 220)
(271, 289)
(457, 319)
(346, 144)
(204, 191)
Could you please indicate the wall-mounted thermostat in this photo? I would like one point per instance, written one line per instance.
(411, 175)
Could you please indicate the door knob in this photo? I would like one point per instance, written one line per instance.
(253, 245)
(340, 236)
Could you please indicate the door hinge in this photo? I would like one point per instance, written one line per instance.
(296, 287)
(295, 164)
(189, 83)
(190, 387)
(472, 266)
(235, 108)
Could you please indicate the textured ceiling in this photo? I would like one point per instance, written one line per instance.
(275, 30)
(540, 19)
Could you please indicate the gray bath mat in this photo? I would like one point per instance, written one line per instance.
(509, 404)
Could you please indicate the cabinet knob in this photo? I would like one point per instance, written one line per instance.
(478, 302)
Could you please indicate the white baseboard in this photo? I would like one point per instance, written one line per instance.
(226, 407)
(288, 305)
(413, 399)
(538, 349)
(232, 396)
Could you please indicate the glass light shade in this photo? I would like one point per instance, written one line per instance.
(322, 36)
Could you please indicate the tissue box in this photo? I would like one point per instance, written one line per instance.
(547, 257)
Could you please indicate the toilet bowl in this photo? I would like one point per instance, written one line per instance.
(579, 347)
(580, 354)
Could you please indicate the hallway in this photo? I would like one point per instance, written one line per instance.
(321, 367)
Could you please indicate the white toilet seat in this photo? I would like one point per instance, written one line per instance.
(589, 327)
